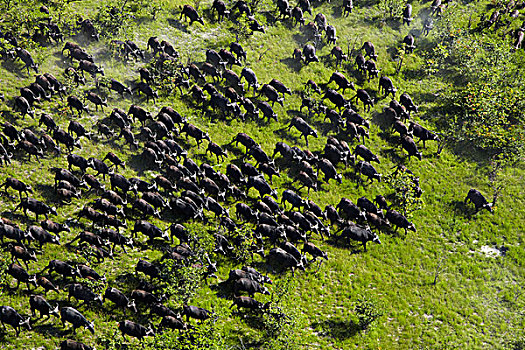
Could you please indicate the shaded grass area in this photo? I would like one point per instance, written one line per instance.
(477, 299)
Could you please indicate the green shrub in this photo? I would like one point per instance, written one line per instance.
(404, 186)
(367, 310)
(482, 103)
(490, 117)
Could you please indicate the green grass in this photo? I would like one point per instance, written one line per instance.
(477, 301)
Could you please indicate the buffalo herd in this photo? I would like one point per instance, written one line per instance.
(116, 212)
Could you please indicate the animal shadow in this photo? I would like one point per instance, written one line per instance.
(337, 328)
(460, 208)
(292, 64)
(175, 23)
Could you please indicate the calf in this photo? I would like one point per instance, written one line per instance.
(144, 297)
(171, 323)
(115, 160)
(50, 144)
(96, 100)
(407, 102)
(64, 174)
(88, 273)
(339, 55)
(71, 315)
(306, 181)
(31, 149)
(14, 319)
(88, 237)
(238, 50)
(120, 88)
(229, 58)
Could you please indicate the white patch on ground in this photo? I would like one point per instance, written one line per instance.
(490, 252)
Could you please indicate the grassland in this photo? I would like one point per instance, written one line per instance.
(477, 302)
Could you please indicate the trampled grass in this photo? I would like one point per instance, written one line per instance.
(477, 301)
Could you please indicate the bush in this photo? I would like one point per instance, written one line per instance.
(405, 191)
(281, 320)
(489, 117)
(482, 104)
(392, 9)
(367, 310)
